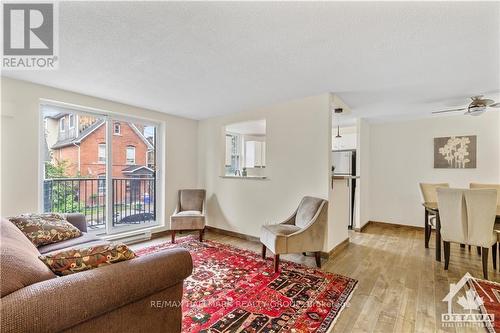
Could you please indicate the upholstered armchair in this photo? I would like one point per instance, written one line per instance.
(302, 232)
(190, 212)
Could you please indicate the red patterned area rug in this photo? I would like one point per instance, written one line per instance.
(235, 290)
(489, 292)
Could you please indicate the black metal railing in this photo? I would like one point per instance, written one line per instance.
(134, 199)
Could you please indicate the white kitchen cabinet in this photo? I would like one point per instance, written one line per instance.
(255, 154)
(263, 144)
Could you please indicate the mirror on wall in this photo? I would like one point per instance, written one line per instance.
(245, 149)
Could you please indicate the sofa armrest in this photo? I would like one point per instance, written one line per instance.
(57, 304)
(78, 220)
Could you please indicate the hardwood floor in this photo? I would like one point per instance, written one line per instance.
(401, 286)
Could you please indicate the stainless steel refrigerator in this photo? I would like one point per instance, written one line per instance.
(344, 164)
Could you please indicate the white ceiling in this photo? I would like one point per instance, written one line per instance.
(201, 59)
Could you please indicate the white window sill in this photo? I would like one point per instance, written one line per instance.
(246, 177)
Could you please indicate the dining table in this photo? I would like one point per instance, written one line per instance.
(433, 208)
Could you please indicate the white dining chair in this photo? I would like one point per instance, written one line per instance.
(429, 197)
(453, 218)
(467, 217)
(486, 186)
(496, 187)
(481, 214)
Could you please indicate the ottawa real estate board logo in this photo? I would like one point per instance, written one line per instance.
(469, 310)
(30, 32)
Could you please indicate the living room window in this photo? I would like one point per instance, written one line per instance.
(113, 194)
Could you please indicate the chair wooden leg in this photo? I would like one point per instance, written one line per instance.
(427, 228)
(438, 238)
(484, 253)
(469, 248)
(494, 255)
(276, 262)
(173, 236)
(318, 258)
(263, 251)
(478, 250)
(202, 231)
(446, 248)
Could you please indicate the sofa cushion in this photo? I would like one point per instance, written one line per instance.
(85, 258)
(189, 213)
(85, 239)
(47, 228)
(187, 222)
(19, 258)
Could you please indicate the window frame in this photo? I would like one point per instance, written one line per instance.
(62, 125)
(109, 117)
(99, 160)
(116, 123)
(126, 155)
(71, 117)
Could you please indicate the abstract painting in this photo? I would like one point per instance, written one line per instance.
(455, 152)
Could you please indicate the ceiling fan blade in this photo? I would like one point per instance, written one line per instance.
(487, 101)
(496, 105)
(451, 110)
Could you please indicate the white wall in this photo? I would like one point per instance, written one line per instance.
(363, 184)
(348, 139)
(20, 136)
(401, 156)
(297, 164)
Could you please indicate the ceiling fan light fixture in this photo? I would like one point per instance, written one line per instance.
(476, 110)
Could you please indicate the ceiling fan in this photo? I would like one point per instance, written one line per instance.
(478, 106)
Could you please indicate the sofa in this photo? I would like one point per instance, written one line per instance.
(139, 295)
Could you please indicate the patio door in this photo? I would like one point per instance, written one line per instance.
(103, 166)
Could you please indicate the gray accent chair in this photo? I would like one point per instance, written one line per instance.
(190, 212)
(302, 232)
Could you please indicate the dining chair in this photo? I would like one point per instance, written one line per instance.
(494, 186)
(429, 197)
(481, 214)
(453, 218)
(467, 217)
(487, 186)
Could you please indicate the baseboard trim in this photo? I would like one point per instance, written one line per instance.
(363, 227)
(232, 233)
(387, 223)
(336, 250)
